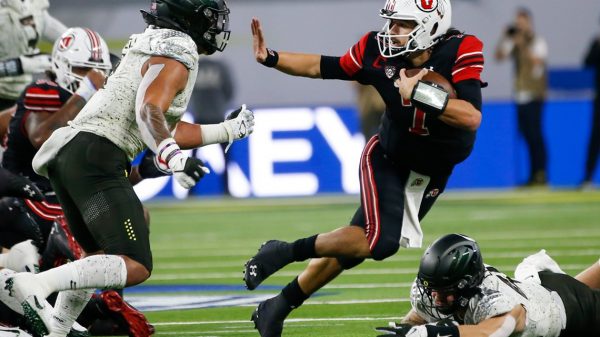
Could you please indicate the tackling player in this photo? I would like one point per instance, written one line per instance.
(405, 167)
(87, 161)
(454, 285)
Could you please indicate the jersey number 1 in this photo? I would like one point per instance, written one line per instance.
(418, 125)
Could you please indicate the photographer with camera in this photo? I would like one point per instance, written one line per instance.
(529, 52)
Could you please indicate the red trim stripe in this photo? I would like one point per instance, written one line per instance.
(369, 196)
(44, 210)
(96, 52)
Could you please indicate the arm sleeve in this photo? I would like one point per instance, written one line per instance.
(469, 60)
(347, 66)
(470, 91)
(53, 28)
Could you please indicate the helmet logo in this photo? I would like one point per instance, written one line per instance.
(66, 42)
(390, 71)
(427, 5)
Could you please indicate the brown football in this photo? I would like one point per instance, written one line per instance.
(436, 78)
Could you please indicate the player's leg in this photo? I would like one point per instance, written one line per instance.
(590, 276)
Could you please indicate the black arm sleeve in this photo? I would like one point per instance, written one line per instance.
(331, 69)
(470, 91)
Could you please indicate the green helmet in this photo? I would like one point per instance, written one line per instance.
(205, 21)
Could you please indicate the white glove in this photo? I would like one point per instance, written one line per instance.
(34, 64)
(187, 171)
(238, 124)
(23, 257)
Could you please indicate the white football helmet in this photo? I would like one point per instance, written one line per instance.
(78, 47)
(433, 19)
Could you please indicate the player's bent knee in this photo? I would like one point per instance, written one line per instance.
(136, 272)
(349, 262)
(385, 248)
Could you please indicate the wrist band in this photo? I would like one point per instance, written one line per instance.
(272, 58)
(86, 89)
(12, 67)
(429, 97)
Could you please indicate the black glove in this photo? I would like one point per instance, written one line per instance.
(192, 172)
(13, 185)
(399, 330)
(149, 166)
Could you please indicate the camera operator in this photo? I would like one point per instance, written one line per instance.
(529, 53)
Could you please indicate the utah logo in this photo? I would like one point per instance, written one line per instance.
(427, 5)
(66, 42)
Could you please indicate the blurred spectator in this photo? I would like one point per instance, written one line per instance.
(370, 108)
(592, 60)
(212, 98)
(528, 52)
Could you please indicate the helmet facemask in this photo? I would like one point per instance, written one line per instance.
(462, 292)
(432, 18)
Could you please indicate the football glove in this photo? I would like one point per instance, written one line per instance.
(151, 167)
(238, 124)
(187, 171)
(23, 257)
(34, 64)
(18, 186)
(401, 330)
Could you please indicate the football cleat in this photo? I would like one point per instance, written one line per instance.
(272, 256)
(269, 316)
(127, 316)
(8, 331)
(32, 296)
(61, 246)
(78, 331)
(18, 186)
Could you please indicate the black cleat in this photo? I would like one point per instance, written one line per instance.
(272, 256)
(269, 316)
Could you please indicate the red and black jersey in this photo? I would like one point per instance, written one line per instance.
(42, 96)
(408, 136)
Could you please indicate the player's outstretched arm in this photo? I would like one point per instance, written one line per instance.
(499, 326)
(296, 64)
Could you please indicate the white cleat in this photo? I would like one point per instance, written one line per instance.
(5, 297)
(543, 262)
(32, 295)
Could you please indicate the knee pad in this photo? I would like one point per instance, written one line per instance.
(385, 248)
(349, 262)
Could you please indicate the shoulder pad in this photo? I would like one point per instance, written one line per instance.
(175, 45)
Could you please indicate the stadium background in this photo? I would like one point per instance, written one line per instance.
(200, 244)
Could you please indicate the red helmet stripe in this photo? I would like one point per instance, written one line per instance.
(96, 50)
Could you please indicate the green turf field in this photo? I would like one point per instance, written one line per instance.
(206, 242)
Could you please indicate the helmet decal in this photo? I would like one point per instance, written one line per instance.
(427, 5)
(66, 42)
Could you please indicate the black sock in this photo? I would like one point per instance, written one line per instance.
(304, 248)
(293, 294)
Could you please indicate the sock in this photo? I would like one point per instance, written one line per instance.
(69, 304)
(293, 294)
(304, 248)
(3, 259)
(97, 271)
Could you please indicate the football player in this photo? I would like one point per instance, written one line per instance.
(22, 23)
(139, 106)
(405, 167)
(454, 287)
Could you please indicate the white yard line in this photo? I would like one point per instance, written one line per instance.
(291, 320)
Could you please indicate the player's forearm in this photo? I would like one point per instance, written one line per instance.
(306, 65)
(461, 114)
(188, 135)
(152, 125)
(41, 132)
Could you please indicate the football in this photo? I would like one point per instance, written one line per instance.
(436, 78)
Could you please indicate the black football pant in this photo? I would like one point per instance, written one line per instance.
(582, 304)
(529, 117)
